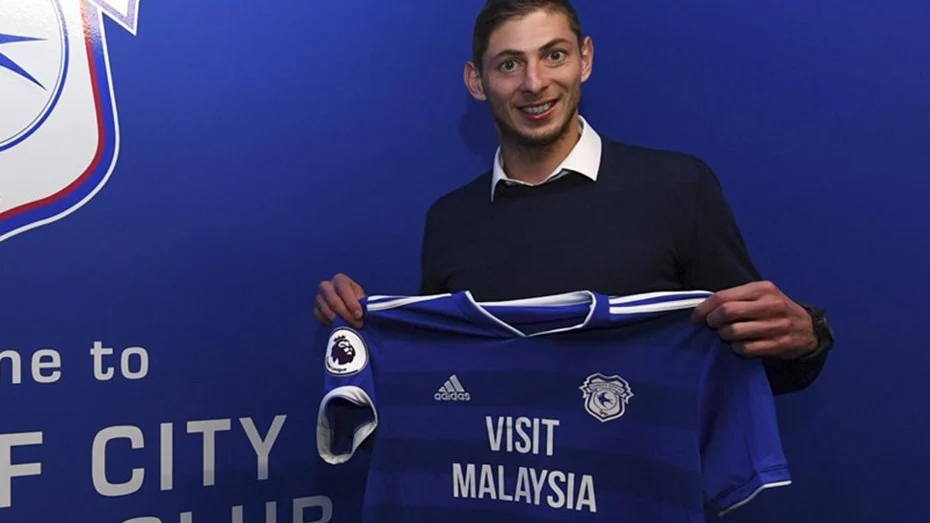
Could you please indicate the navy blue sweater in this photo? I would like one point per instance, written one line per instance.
(654, 220)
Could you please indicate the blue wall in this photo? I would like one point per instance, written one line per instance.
(264, 147)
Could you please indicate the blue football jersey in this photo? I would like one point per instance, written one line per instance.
(575, 407)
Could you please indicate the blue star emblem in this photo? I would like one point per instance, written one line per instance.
(7, 63)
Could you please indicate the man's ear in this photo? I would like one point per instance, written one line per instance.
(587, 58)
(472, 77)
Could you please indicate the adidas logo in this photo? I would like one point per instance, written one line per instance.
(452, 390)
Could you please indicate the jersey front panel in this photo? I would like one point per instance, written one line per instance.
(612, 414)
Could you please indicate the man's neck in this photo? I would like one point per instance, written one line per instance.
(534, 164)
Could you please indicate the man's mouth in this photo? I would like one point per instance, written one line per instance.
(538, 110)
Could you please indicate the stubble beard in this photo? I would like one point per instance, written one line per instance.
(534, 146)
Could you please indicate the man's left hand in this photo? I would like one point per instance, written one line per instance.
(759, 320)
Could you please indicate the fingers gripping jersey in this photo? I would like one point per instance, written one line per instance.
(575, 407)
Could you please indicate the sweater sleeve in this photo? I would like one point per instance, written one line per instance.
(430, 281)
(719, 259)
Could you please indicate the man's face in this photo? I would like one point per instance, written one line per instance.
(532, 75)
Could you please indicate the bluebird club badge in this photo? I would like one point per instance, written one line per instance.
(59, 131)
(606, 397)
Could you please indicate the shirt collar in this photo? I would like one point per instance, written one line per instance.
(584, 159)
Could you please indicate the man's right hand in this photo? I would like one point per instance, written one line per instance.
(339, 296)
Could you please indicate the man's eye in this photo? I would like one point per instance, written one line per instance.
(508, 65)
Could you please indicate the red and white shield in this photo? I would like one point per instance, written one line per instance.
(59, 132)
(606, 397)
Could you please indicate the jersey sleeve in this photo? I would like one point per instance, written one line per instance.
(347, 414)
(741, 450)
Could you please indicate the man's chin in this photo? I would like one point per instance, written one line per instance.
(540, 137)
(532, 136)
(537, 139)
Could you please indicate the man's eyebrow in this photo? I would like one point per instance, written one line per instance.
(513, 52)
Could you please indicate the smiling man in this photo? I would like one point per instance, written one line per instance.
(563, 209)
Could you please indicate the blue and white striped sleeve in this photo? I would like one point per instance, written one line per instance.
(347, 414)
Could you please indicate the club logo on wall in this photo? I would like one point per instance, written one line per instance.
(59, 131)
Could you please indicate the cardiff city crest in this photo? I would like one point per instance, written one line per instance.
(606, 397)
(59, 131)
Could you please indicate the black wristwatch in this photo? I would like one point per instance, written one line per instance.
(822, 329)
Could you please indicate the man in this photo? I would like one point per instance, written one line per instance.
(563, 209)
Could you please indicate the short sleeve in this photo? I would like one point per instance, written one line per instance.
(347, 414)
(741, 450)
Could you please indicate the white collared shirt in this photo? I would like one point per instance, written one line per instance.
(584, 159)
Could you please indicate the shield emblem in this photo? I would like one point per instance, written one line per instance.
(606, 397)
(59, 134)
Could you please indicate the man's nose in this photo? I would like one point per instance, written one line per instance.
(534, 78)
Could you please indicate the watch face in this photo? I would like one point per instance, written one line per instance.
(823, 330)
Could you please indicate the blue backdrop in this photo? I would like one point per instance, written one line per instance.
(198, 167)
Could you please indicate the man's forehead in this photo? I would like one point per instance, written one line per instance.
(530, 33)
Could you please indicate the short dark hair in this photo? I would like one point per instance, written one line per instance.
(496, 12)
